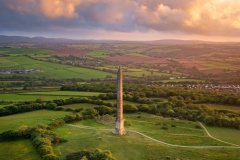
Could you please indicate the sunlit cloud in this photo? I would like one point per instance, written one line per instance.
(202, 17)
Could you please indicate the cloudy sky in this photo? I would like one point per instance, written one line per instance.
(215, 20)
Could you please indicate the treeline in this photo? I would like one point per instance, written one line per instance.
(157, 91)
(50, 105)
(91, 87)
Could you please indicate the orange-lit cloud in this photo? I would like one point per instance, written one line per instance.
(210, 16)
(203, 17)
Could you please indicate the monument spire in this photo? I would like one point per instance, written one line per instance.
(119, 129)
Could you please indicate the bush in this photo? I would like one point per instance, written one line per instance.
(72, 118)
(102, 110)
(45, 149)
(130, 108)
(50, 157)
(98, 154)
(90, 113)
(56, 123)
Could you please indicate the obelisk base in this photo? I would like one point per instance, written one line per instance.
(119, 130)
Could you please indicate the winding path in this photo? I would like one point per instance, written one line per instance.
(205, 129)
(233, 146)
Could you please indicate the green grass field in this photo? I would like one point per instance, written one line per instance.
(135, 146)
(64, 93)
(226, 134)
(14, 97)
(29, 119)
(18, 150)
(98, 54)
(24, 51)
(50, 70)
(46, 96)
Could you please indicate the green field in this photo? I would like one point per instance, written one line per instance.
(226, 134)
(98, 54)
(29, 119)
(50, 70)
(24, 51)
(14, 97)
(64, 93)
(18, 150)
(91, 134)
(46, 96)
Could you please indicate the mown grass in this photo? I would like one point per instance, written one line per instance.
(134, 146)
(51, 70)
(18, 150)
(34, 118)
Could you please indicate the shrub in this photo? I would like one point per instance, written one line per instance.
(102, 110)
(130, 108)
(98, 154)
(90, 113)
(50, 157)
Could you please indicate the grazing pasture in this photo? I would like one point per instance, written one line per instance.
(15, 97)
(98, 54)
(18, 150)
(34, 118)
(50, 70)
(64, 93)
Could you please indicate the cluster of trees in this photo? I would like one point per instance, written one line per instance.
(192, 112)
(98, 154)
(141, 92)
(26, 107)
(50, 105)
(43, 140)
(91, 87)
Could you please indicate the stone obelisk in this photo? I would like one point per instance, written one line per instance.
(119, 129)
